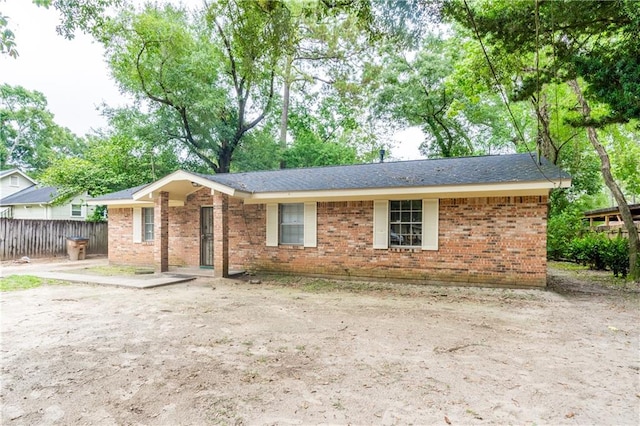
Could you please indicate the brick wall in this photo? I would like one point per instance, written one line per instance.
(488, 240)
(122, 249)
(493, 241)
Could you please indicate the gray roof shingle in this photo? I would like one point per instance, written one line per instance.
(434, 172)
(510, 168)
(31, 195)
(125, 194)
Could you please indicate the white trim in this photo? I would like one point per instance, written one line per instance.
(82, 210)
(406, 193)
(430, 217)
(14, 171)
(181, 175)
(137, 225)
(310, 224)
(381, 224)
(272, 225)
(17, 179)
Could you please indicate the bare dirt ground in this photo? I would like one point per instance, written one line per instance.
(317, 352)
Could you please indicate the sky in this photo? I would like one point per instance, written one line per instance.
(74, 77)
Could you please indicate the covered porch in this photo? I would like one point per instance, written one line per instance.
(190, 225)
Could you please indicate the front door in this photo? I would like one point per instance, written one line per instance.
(206, 236)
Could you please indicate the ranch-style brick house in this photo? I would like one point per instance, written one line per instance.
(471, 220)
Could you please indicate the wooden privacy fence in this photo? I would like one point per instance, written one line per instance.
(42, 238)
(613, 231)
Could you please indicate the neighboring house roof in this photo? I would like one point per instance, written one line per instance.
(612, 212)
(451, 175)
(9, 172)
(31, 195)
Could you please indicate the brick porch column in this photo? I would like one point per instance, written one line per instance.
(161, 232)
(220, 234)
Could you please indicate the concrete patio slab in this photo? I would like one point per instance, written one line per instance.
(116, 281)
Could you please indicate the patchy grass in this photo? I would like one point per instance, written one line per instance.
(24, 282)
(568, 266)
(326, 285)
(604, 279)
(113, 270)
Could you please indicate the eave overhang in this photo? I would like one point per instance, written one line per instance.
(181, 184)
(397, 193)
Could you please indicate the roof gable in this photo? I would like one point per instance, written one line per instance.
(7, 173)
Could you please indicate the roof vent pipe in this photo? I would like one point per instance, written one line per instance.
(382, 152)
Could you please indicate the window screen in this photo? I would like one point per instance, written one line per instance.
(292, 224)
(405, 223)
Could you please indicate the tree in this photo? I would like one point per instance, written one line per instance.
(29, 135)
(568, 40)
(431, 88)
(132, 152)
(213, 74)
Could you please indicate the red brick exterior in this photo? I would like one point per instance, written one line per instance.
(486, 240)
(220, 234)
(161, 232)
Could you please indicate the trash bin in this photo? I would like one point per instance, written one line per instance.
(77, 248)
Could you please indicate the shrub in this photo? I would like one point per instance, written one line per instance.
(562, 229)
(600, 253)
(588, 250)
(616, 256)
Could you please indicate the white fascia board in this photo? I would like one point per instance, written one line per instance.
(182, 175)
(441, 191)
(21, 173)
(120, 203)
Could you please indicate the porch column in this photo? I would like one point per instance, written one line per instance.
(161, 232)
(220, 235)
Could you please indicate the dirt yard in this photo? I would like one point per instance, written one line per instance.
(231, 352)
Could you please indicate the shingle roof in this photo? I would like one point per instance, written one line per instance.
(31, 195)
(125, 194)
(510, 168)
(434, 172)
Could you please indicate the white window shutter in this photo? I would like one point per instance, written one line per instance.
(310, 224)
(272, 225)
(137, 225)
(380, 224)
(430, 214)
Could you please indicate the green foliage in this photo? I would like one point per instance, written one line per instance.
(324, 138)
(30, 138)
(562, 229)
(130, 154)
(209, 75)
(259, 151)
(617, 256)
(432, 88)
(7, 38)
(595, 40)
(599, 252)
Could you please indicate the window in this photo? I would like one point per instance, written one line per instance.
(405, 223)
(76, 210)
(147, 224)
(14, 181)
(292, 224)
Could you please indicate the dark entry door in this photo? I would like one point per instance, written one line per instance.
(206, 236)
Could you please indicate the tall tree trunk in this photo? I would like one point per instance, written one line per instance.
(625, 212)
(284, 118)
(545, 141)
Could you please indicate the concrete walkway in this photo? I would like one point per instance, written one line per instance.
(64, 271)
